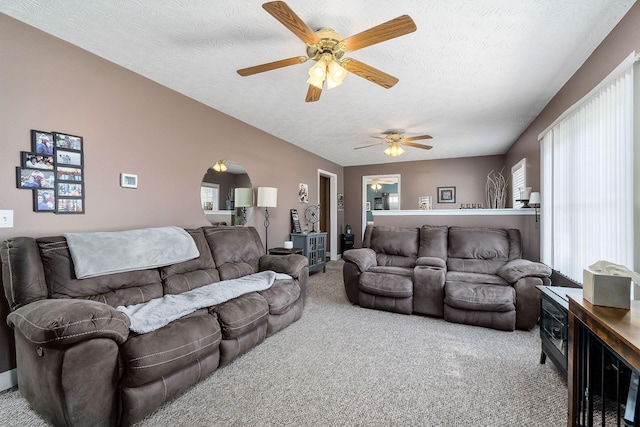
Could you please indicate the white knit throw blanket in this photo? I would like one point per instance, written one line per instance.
(156, 313)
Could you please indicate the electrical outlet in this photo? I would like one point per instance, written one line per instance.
(6, 219)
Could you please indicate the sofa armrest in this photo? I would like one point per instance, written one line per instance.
(364, 258)
(288, 264)
(520, 268)
(57, 323)
(428, 261)
(429, 276)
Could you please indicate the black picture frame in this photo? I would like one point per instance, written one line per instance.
(32, 179)
(44, 200)
(42, 142)
(446, 194)
(70, 205)
(68, 158)
(33, 160)
(69, 174)
(295, 222)
(66, 141)
(69, 189)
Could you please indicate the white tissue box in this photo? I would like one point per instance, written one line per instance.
(606, 290)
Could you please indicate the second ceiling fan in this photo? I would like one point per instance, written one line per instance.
(396, 138)
(327, 48)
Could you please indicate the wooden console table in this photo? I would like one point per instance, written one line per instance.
(598, 334)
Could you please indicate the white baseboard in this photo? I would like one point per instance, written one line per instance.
(8, 379)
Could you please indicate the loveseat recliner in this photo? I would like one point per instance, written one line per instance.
(467, 275)
(78, 362)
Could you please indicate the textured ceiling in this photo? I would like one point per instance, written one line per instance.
(473, 75)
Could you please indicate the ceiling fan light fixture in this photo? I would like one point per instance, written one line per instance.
(394, 150)
(219, 166)
(317, 73)
(335, 75)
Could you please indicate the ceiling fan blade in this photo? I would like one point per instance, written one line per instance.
(313, 94)
(416, 138)
(287, 17)
(391, 29)
(368, 72)
(367, 146)
(412, 144)
(272, 65)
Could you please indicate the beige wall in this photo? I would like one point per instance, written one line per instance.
(422, 178)
(129, 124)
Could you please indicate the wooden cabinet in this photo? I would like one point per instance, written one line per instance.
(313, 247)
(603, 364)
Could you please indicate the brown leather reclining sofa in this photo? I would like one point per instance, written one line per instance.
(78, 362)
(467, 275)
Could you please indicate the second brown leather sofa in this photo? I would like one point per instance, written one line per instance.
(467, 275)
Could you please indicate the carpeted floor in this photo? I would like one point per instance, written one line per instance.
(342, 365)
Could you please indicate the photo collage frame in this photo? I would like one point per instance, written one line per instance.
(54, 171)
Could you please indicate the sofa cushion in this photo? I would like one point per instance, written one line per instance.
(188, 275)
(235, 250)
(242, 315)
(171, 348)
(479, 250)
(128, 288)
(477, 297)
(433, 241)
(387, 282)
(475, 278)
(482, 266)
(281, 295)
(396, 242)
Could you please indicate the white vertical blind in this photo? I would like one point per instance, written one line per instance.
(518, 181)
(587, 187)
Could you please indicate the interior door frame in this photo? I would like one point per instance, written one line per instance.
(366, 180)
(333, 220)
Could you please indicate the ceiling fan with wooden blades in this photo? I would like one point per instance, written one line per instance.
(327, 48)
(396, 138)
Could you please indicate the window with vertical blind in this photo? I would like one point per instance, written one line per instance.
(518, 181)
(209, 196)
(587, 161)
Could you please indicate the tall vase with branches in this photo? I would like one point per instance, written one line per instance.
(496, 190)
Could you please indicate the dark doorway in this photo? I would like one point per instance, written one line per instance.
(325, 209)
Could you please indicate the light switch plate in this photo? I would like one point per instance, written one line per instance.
(6, 219)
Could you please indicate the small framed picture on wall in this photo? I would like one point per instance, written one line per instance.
(446, 194)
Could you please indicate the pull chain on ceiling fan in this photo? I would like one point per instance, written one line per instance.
(395, 139)
(327, 48)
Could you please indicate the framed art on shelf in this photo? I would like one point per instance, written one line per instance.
(446, 194)
(424, 203)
